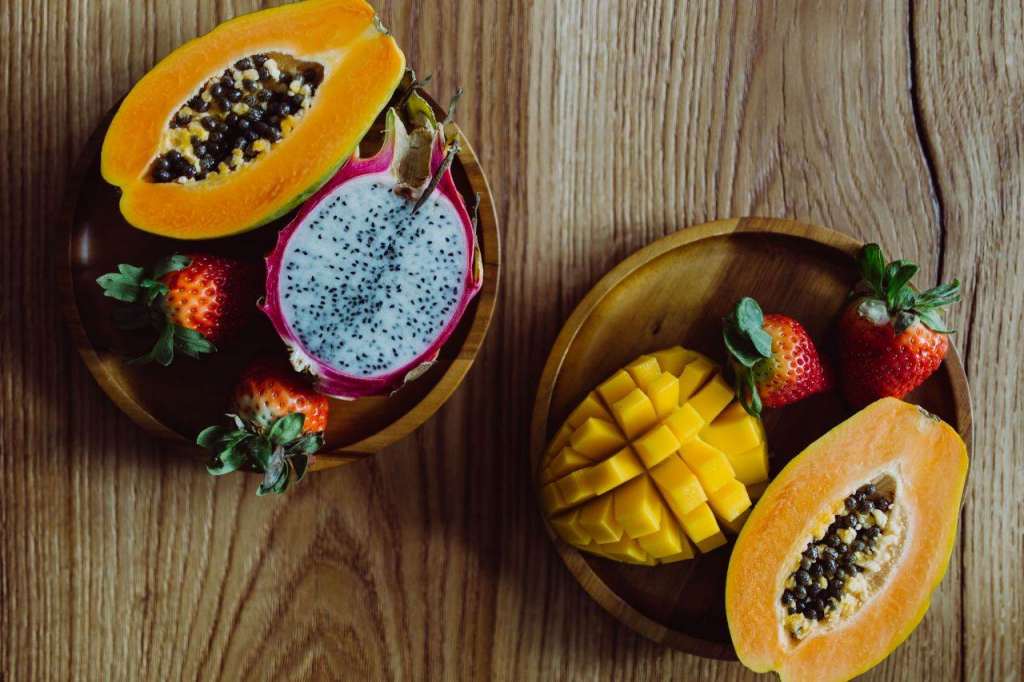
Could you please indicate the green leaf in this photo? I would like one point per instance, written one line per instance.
(277, 473)
(133, 272)
(307, 445)
(872, 267)
(746, 389)
(287, 428)
(931, 319)
(301, 464)
(171, 263)
(190, 342)
(163, 350)
(739, 347)
(151, 290)
(261, 451)
(896, 288)
(227, 461)
(939, 296)
(212, 436)
(119, 287)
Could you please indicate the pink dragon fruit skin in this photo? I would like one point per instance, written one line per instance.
(361, 315)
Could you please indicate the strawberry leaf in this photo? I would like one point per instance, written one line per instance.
(931, 319)
(171, 263)
(228, 460)
(190, 342)
(162, 351)
(119, 287)
(277, 473)
(307, 445)
(872, 267)
(261, 452)
(287, 428)
(212, 436)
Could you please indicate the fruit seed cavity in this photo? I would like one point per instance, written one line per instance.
(236, 117)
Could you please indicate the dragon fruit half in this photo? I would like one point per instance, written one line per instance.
(373, 275)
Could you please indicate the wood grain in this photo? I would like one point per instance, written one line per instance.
(601, 126)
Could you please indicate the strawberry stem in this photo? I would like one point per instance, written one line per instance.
(889, 284)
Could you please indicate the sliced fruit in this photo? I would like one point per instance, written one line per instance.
(307, 79)
(635, 467)
(836, 564)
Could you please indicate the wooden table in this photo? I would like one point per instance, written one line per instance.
(603, 125)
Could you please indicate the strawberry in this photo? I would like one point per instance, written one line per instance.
(193, 302)
(774, 360)
(891, 338)
(279, 422)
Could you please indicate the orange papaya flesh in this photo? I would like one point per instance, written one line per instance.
(360, 66)
(914, 459)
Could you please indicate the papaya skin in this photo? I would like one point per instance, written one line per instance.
(362, 68)
(929, 461)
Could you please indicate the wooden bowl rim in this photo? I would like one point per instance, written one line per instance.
(415, 416)
(574, 560)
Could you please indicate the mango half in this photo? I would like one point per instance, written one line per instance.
(891, 449)
(655, 461)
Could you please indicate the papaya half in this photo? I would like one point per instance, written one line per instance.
(239, 126)
(837, 563)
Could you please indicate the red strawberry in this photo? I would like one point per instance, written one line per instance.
(891, 338)
(774, 359)
(193, 302)
(212, 295)
(268, 391)
(279, 425)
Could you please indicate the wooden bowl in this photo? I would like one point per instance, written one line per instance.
(177, 402)
(676, 291)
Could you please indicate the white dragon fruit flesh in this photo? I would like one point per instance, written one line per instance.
(373, 275)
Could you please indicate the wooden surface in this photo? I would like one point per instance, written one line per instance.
(602, 126)
(676, 291)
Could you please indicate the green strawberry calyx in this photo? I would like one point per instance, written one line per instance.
(887, 295)
(749, 345)
(143, 294)
(281, 452)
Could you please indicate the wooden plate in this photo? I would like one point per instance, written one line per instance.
(676, 291)
(177, 402)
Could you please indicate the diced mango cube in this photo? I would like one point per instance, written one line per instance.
(551, 499)
(612, 472)
(751, 466)
(644, 370)
(596, 438)
(598, 520)
(756, 490)
(625, 549)
(560, 440)
(634, 412)
(672, 360)
(729, 501)
(568, 528)
(734, 431)
(679, 486)
(685, 423)
(669, 540)
(736, 525)
(712, 399)
(590, 407)
(575, 488)
(701, 527)
(681, 556)
(695, 375)
(638, 508)
(617, 387)
(709, 464)
(565, 462)
(664, 393)
(656, 445)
